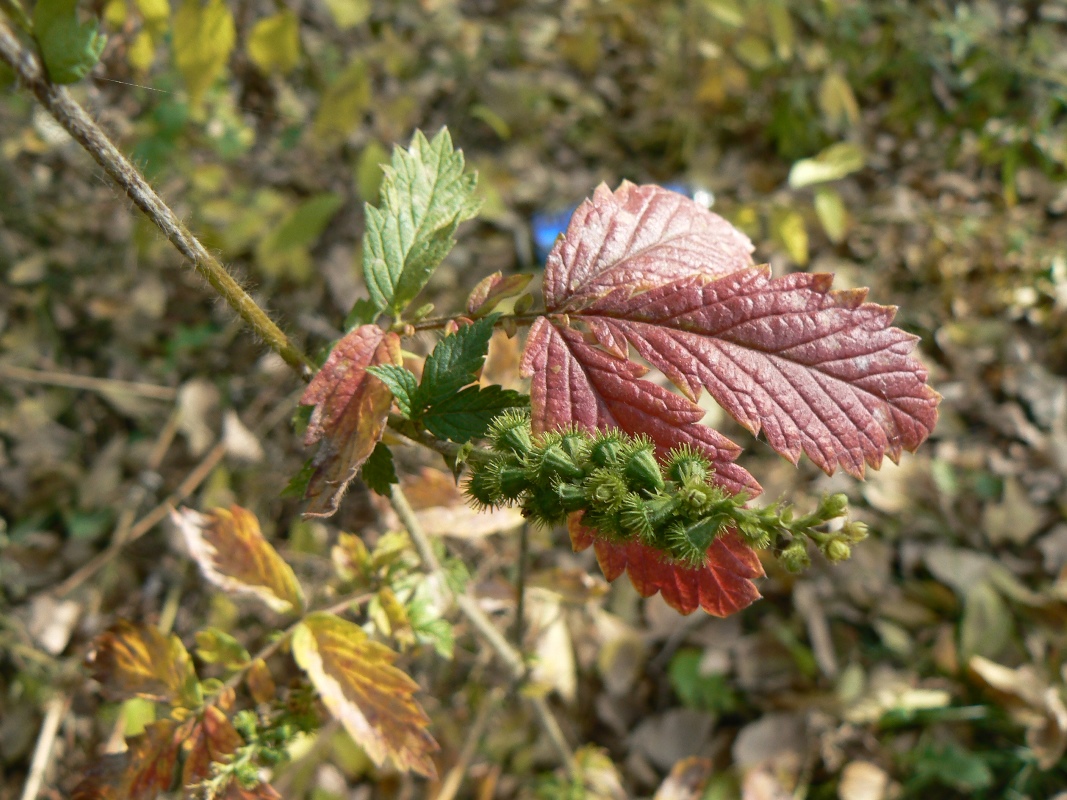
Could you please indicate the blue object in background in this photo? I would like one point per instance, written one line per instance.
(548, 225)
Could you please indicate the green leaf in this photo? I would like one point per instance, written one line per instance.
(343, 103)
(285, 250)
(424, 196)
(214, 646)
(699, 690)
(454, 363)
(401, 382)
(833, 163)
(70, 48)
(204, 35)
(274, 43)
(466, 415)
(378, 470)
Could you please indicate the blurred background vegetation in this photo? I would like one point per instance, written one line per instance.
(919, 148)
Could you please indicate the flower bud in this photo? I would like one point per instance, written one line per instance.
(833, 505)
(837, 550)
(510, 433)
(795, 557)
(482, 488)
(854, 531)
(643, 472)
(551, 463)
(605, 490)
(606, 450)
(688, 465)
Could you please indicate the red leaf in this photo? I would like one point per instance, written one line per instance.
(819, 372)
(351, 407)
(211, 738)
(721, 587)
(638, 236)
(574, 382)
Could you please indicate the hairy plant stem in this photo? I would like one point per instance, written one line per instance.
(74, 119)
(470, 609)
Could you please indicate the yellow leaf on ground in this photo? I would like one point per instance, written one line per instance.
(132, 660)
(274, 43)
(233, 554)
(361, 687)
(343, 103)
(204, 35)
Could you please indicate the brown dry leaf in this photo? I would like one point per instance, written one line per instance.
(686, 780)
(361, 687)
(350, 413)
(141, 773)
(764, 784)
(233, 554)
(131, 660)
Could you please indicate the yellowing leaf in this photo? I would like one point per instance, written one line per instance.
(349, 13)
(781, 29)
(361, 688)
(833, 163)
(832, 214)
(155, 13)
(141, 52)
(274, 43)
(790, 232)
(132, 660)
(141, 773)
(204, 35)
(343, 103)
(233, 554)
(837, 102)
(284, 251)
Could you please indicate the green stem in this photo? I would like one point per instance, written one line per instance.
(74, 119)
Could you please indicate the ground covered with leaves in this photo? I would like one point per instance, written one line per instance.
(914, 148)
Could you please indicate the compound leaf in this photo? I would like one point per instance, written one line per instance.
(131, 660)
(424, 196)
(234, 555)
(360, 686)
(351, 408)
(69, 47)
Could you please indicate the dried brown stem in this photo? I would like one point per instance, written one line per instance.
(74, 119)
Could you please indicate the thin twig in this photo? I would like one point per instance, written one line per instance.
(437, 323)
(469, 607)
(87, 382)
(519, 629)
(88, 134)
(454, 779)
(42, 754)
